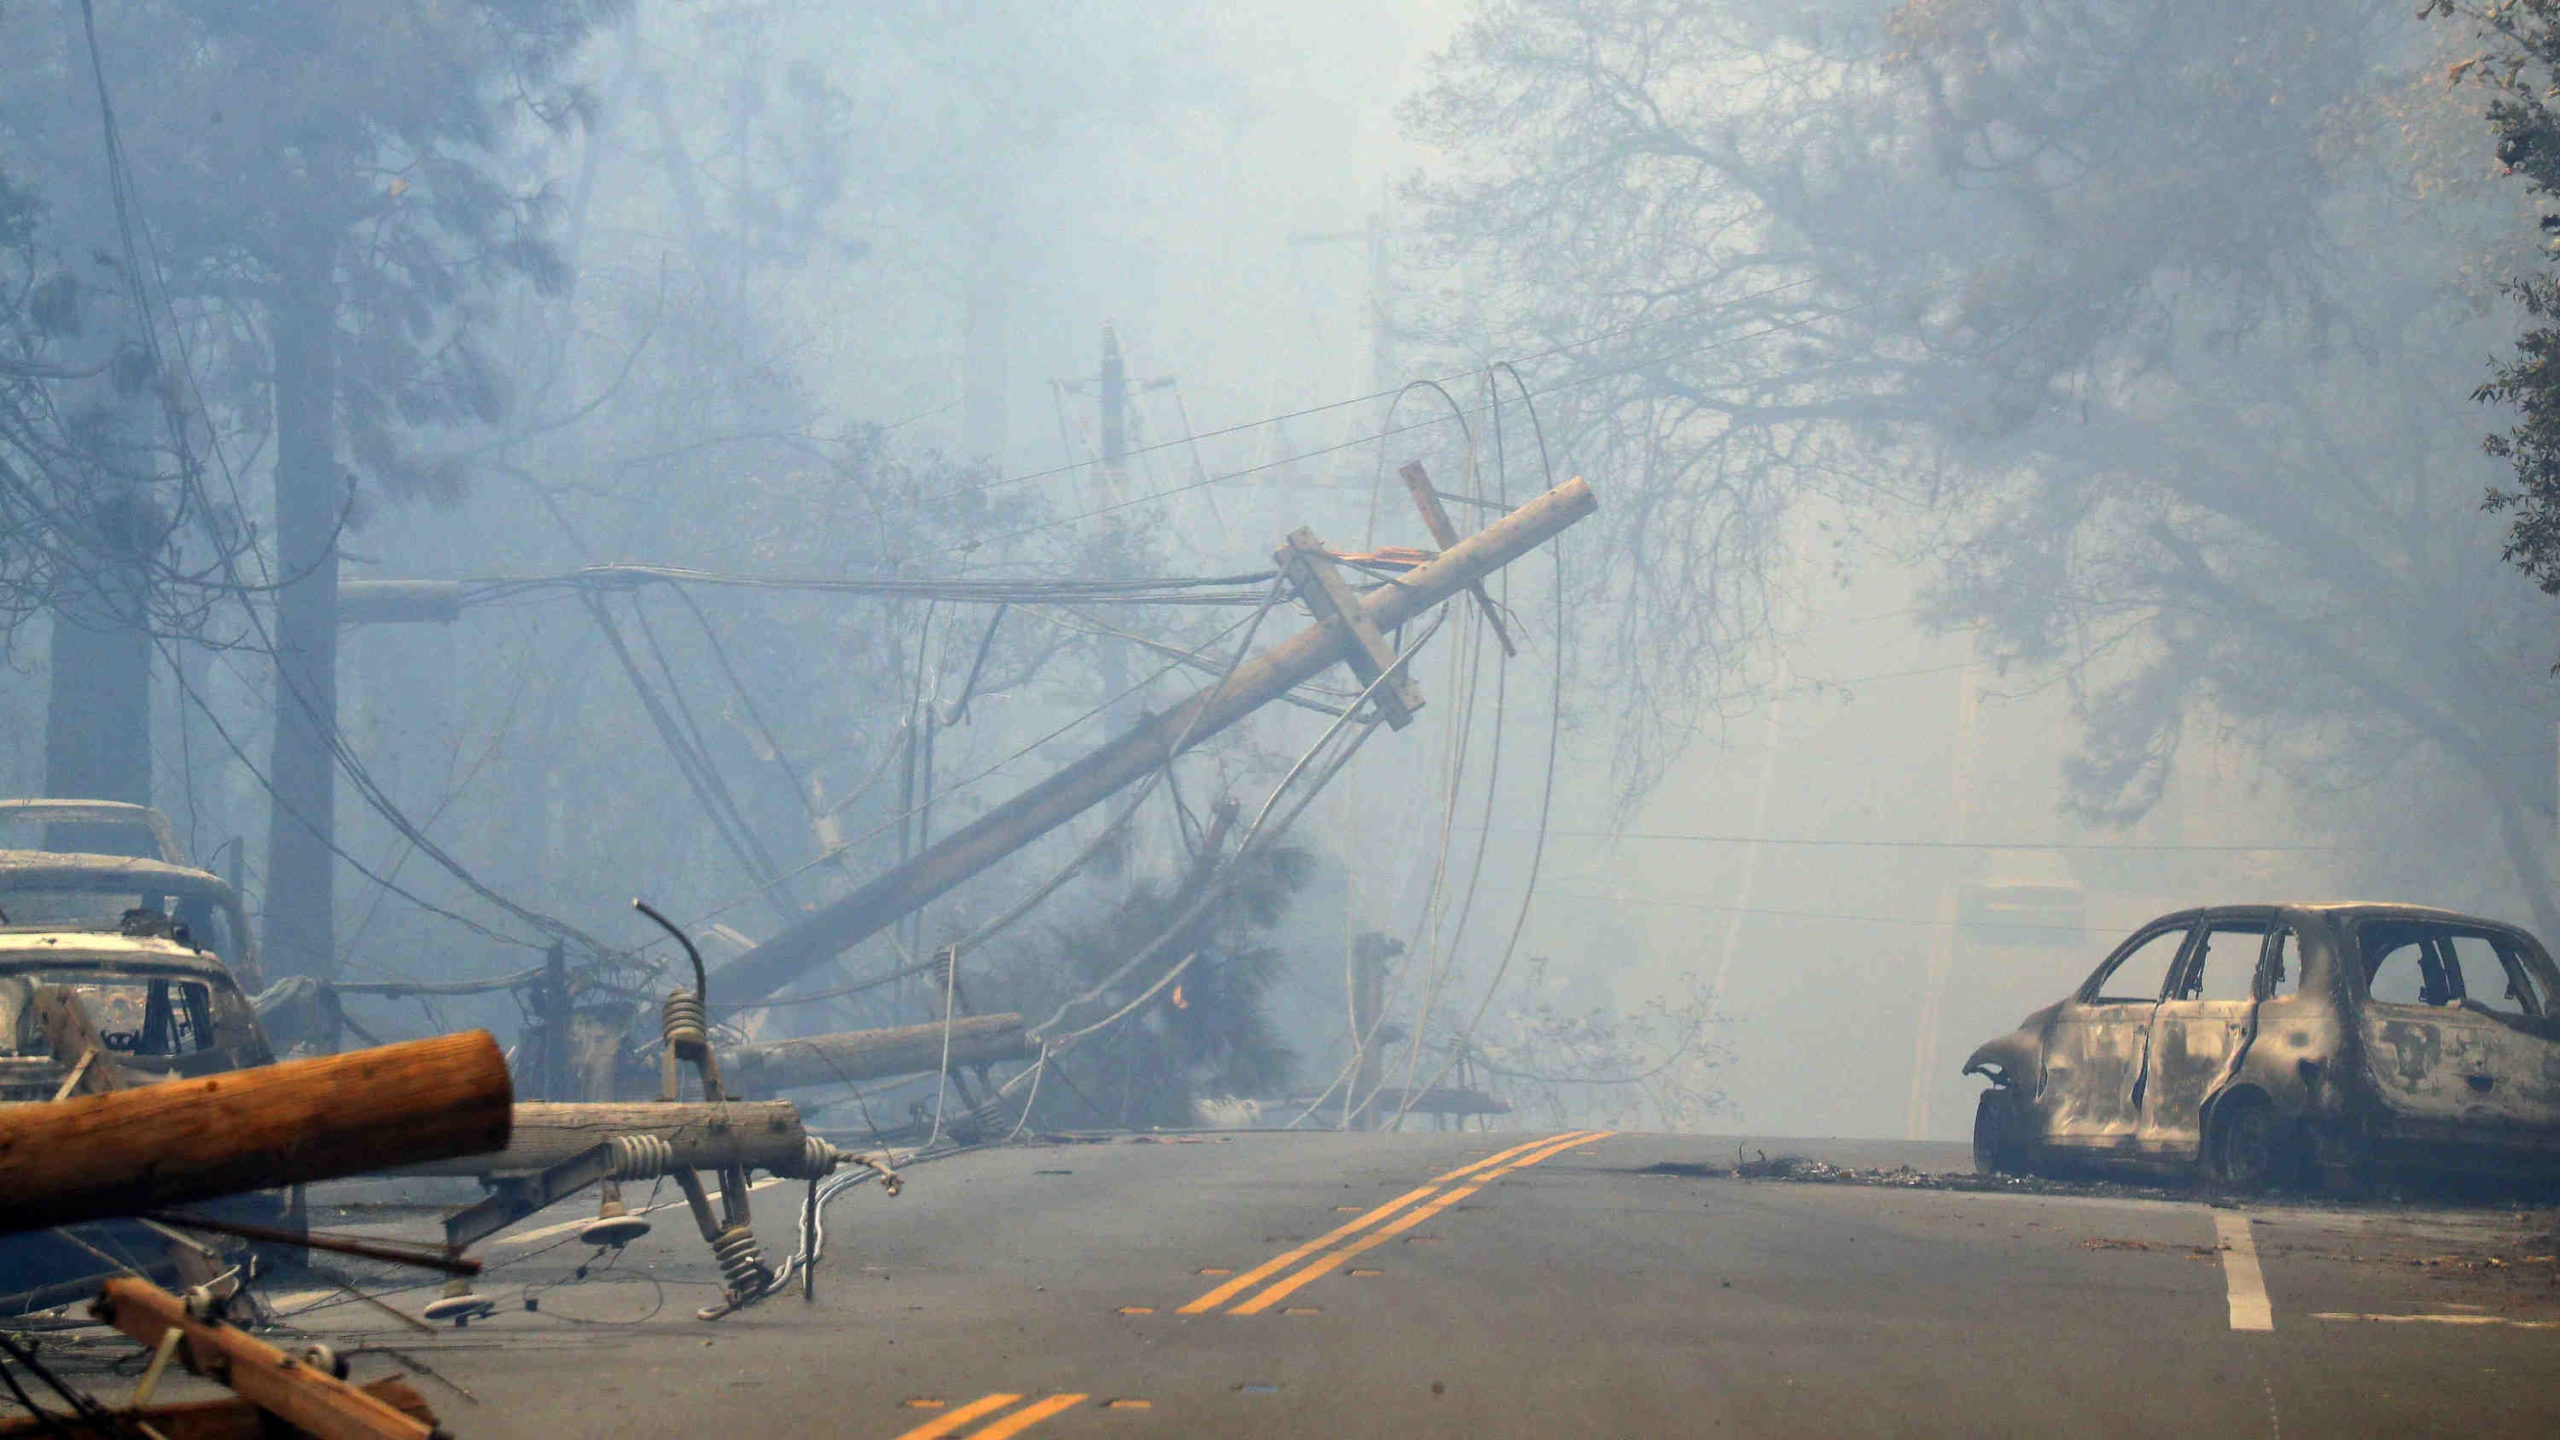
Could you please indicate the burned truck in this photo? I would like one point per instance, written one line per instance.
(82, 1011)
(2273, 1045)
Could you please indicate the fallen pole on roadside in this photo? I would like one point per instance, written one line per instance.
(695, 1134)
(763, 1067)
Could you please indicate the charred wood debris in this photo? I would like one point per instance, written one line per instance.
(597, 1101)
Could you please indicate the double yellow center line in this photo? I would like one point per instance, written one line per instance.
(985, 1405)
(1424, 1201)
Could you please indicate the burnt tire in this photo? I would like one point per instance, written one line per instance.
(1999, 1134)
(2251, 1149)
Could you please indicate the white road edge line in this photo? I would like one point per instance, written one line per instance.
(2249, 1307)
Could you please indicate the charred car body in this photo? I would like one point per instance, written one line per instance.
(2278, 1044)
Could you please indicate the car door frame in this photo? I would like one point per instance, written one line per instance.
(2177, 1088)
(2095, 1106)
(2454, 1072)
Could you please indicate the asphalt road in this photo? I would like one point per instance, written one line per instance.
(1328, 1285)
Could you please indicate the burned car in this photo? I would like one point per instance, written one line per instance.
(160, 1010)
(2282, 1044)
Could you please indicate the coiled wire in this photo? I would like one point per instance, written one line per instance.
(686, 1025)
(741, 1262)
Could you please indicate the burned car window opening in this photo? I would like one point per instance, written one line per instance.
(2435, 965)
(2490, 975)
(147, 1019)
(2402, 969)
(2141, 975)
(2225, 963)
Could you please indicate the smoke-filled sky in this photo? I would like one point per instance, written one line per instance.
(2088, 524)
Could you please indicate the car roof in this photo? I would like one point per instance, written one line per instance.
(98, 812)
(115, 811)
(70, 870)
(2342, 909)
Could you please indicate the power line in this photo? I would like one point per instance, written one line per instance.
(340, 750)
(205, 708)
(1555, 728)
(1462, 412)
(835, 853)
(1236, 590)
(1329, 406)
(1924, 923)
(692, 756)
(1571, 382)
(1877, 843)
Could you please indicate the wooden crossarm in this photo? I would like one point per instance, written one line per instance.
(1417, 482)
(1320, 584)
(302, 1395)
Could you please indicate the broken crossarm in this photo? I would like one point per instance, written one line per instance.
(297, 1391)
(1417, 482)
(560, 1149)
(1328, 597)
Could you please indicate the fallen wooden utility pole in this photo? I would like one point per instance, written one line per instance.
(764, 1067)
(1053, 802)
(129, 1151)
(559, 1150)
(697, 1135)
(296, 1391)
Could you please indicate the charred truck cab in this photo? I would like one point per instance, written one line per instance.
(2280, 1044)
(160, 1010)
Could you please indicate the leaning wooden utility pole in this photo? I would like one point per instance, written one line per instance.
(1152, 742)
